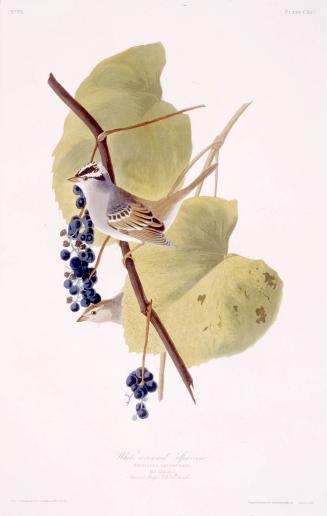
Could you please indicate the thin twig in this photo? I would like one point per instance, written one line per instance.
(163, 355)
(103, 135)
(94, 151)
(96, 129)
(187, 168)
(219, 142)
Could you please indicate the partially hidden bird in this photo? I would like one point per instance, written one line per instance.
(107, 310)
(124, 216)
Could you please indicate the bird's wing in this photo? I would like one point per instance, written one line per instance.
(133, 218)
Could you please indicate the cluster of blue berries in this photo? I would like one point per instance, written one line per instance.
(141, 389)
(79, 279)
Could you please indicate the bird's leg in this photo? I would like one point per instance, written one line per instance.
(104, 134)
(99, 256)
(130, 253)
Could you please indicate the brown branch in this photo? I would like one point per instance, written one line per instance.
(143, 302)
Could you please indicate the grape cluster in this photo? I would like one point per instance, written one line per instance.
(78, 281)
(141, 389)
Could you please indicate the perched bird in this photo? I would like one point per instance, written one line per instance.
(108, 310)
(124, 216)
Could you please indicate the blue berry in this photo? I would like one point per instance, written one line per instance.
(134, 386)
(78, 272)
(148, 376)
(139, 393)
(95, 299)
(72, 232)
(89, 238)
(74, 307)
(94, 278)
(82, 237)
(142, 413)
(86, 273)
(77, 190)
(87, 283)
(90, 292)
(131, 380)
(64, 254)
(90, 256)
(151, 386)
(76, 224)
(138, 372)
(83, 255)
(74, 290)
(85, 302)
(75, 263)
(80, 202)
(68, 283)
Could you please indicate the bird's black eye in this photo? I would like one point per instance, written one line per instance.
(93, 313)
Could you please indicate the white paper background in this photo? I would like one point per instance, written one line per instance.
(260, 420)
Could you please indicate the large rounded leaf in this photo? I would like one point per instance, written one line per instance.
(123, 90)
(211, 304)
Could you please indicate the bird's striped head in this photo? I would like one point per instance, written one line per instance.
(92, 170)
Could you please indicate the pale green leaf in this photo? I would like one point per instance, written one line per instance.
(210, 305)
(123, 90)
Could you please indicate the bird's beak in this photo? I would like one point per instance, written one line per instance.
(73, 179)
(82, 318)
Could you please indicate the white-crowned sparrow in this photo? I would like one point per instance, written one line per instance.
(124, 216)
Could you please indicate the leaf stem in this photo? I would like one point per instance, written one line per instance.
(163, 355)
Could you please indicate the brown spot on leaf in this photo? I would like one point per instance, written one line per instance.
(235, 308)
(204, 329)
(202, 298)
(270, 279)
(261, 313)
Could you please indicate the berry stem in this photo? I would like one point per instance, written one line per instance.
(99, 256)
(147, 327)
